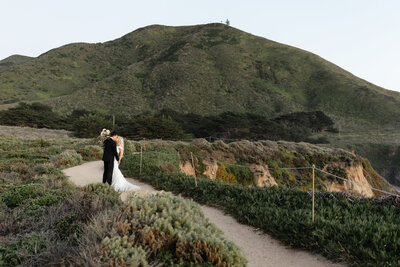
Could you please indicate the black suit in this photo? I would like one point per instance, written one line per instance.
(110, 151)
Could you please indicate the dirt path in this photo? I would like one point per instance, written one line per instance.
(261, 250)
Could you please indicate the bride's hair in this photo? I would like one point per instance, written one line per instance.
(121, 142)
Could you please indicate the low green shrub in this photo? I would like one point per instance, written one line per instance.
(163, 222)
(66, 159)
(8, 254)
(243, 174)
(34, 243)
(120, 250)
(169, 259)
(47, 168)
(91, 152)
(50, 198)
(362, 231)
(15, 195)
(103, 190)
(33, 210)
(14, 252)
(36, 206)
(67, 226)
(152, 162)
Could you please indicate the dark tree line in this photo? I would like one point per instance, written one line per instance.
(169, 124)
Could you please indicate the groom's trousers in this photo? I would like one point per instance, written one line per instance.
(108, 171)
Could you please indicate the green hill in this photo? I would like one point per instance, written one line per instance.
(203, 69)
(207, 70)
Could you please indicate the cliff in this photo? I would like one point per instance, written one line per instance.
(263, 164)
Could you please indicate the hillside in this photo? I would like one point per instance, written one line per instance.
(205, 69)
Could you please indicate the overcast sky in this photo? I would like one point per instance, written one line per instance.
(361, 36)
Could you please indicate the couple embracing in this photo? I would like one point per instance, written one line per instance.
(113, 152)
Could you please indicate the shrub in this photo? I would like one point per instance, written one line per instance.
(13, 253)
(33, 210)
(103, 190)
(8, 254)
(47, 168)
(223, 175)
(163, 222)
(50, 198)
(243, 174)
(119, 250)
(91, 152)
(34, 243)
(17, 194)
(152, 162)
(68, 225)
(66, 159)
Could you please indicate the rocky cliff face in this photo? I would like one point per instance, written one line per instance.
(357, 183)
(265, 161)
(262, 176)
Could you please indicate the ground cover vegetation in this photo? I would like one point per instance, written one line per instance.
(362, 232)
(45, 220)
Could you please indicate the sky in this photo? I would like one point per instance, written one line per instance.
(361, 36)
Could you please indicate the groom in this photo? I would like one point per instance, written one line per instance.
(110, 151)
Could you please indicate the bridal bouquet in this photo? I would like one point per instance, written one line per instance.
(103, 136)
(105, 133)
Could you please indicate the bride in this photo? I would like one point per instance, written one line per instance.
(118, 180)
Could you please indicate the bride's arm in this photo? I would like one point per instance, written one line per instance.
(121, 153)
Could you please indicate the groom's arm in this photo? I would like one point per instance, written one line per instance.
(115, 151)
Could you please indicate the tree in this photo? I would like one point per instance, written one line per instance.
(148, 126)
(90, 125)
(227, 22)
(34, 115)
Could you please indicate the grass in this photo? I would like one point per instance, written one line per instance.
(31, 133)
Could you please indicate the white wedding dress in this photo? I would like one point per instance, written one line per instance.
(118, 180)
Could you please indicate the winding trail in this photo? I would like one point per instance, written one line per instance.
(261, 250)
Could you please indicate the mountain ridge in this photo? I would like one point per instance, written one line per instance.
(208, 68)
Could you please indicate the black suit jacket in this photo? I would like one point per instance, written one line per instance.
(110, 150)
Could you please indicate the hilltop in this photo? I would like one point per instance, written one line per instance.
(12, 61)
